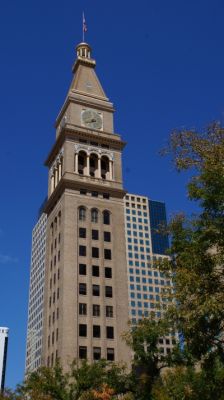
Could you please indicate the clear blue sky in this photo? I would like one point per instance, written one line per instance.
(161, 63)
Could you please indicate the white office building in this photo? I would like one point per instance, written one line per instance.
(36, 296)
(3, 355)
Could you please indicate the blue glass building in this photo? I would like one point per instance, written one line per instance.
(160, 242)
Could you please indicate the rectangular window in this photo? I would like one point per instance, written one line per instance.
(82, 233)
(82, 330)
(96, 290)
(107, 254)
(107, 237)
(82, 251)
(108, 272)
(110, 354)
(96, 331)
(106, 195)
(83, 191)
(96, 310)
(82, 352)
(95, 270)
(82, 288)
(108, 291)
(95, 252)
(96, 353)
(94, 194)
(82, 269)
(82, 309)
(95, 234)
(110, 332)
(109, 311)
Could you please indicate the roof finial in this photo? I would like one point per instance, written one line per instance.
(84, 27)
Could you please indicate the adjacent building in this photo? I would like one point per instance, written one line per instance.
(3, 355)
(94, 245)
(36, 295)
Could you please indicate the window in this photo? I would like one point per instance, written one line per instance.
(82, 288)
(96, 290)
(82, 269)
(82, 352)
(106, 195)
(95, 252)
(108, 291)
(82, 251)
(96, 353)
(109, 311)
(110, 332)
(82, 330)
(108, 272)
(94, 215)
(107, 254)
(82, 233)
(95, 270)
(107, 237)
(94, 194)
(106, 217)
(110, 354)
(95, 234)
(96, 310)
(83, 191)
(96, 331)
(82, 214)
(82, 309)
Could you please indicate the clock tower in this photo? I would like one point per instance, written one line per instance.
(86, 285)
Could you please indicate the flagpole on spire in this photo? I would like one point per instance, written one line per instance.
(84, 27)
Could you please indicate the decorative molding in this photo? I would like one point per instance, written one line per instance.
(94, 150)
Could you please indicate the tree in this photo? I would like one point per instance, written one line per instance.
(197, 245)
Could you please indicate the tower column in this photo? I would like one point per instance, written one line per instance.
(110, 170)
(52, 183)
(87, 165)
(56, 177)
(59, 170)
(99, 167)
(76, 162)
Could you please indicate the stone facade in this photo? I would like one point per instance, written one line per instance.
(86, 285)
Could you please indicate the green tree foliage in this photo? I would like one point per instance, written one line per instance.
(197, 247)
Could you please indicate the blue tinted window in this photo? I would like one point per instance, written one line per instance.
(143, 272)
(132, 295)
(129, 247)
(132, 287)
(147, 250)
(129, 240)
(133, 303)
(157, 290)
(144, 280)
(130, 262)
(136, 248)
(145, 296)
(131, 270)
(128, 225)
(140, 234)
(138, 287)
(134, 219)
(146, 228)
(138, 279)
(137, 263)
(143, 264)
(131, 279)
(140, 227)
(144, 288)
(141, 248)
(129, 232)
(139, 213)
(128, 218)
(133, 312)
(133, 212)
(130, 255)
(134, 233)
(145, 214)
(139, 304)
(140, 312)
(136, 255)
(137, 271)
(140, 220)
(146, 305)
(146, 235)
(135, 241)
(147, 242)
(139, 296)
(141, 241)
(127, 211)
(145, 221)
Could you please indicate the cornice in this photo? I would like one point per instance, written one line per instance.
(77, 185)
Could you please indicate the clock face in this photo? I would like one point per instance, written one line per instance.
(92, 119)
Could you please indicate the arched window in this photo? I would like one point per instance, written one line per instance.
(93, 162)
(105, 168)
(94, 215)
(106, 217)
(82, 214)
(82, 163)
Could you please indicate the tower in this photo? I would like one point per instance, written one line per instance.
(85, 309)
